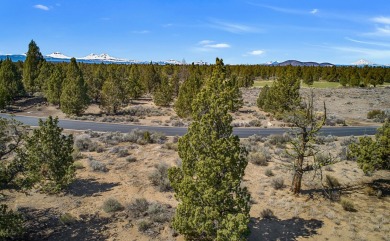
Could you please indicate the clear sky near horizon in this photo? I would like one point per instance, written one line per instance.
(240, 32)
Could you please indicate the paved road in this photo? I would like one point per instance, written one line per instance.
(172, 131)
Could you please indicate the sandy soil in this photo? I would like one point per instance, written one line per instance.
(310, 216)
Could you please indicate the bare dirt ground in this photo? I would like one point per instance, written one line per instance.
(127, 177)
(344, 105)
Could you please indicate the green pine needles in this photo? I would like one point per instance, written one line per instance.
(213, 204)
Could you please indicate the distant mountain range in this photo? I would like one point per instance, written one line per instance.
(297, 63)
(92, 59)
(105, 58)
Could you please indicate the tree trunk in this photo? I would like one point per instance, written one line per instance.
(296, 183)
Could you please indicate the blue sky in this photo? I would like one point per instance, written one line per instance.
(240, 32)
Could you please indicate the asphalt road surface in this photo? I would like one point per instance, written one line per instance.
(172, 131)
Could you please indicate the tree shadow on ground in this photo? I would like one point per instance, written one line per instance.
(45, 225)
(276, 229)
(89, 187)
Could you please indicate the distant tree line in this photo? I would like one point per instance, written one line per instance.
(73, 86)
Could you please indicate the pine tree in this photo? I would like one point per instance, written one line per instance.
(74, 99)
(31, 67)
(48, 156)
(53, 87)
(10, 82)
(212, 203)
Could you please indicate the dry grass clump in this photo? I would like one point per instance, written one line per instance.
(112, 205)
(347, 205)
(277, 183)
(159, 177)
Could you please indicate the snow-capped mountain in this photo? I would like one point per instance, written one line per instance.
(362, 62)
(272, 63)
(172, 61)
(58, 55)
(103, 57)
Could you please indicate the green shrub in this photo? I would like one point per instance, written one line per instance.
(373, 114)
(112, 205)
(11, 223)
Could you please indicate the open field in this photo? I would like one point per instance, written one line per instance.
(113, 166)
(316, 84)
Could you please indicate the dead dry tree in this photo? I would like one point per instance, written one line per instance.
(306, 127)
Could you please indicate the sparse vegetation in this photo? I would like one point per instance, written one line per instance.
(159, 177)
(347, 205)
(112, 205)
(267, 214)
(277, 183)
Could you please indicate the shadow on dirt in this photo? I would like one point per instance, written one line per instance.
(276, 229)
(89, 187)
(46, 225)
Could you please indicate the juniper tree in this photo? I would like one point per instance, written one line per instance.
(187, 92)
(163, 95)
(111, 98)
(10, 82)
(47, 156)
(306, 127)
(134, 86)
(34, 59)
(212, 203)
(372, 155)
(74, 99)
(53, 87)
(282, 96)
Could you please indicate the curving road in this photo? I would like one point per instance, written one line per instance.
(172, 131)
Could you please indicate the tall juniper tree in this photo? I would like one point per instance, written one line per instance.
(74, 98)
(212, 203)
(32, 66)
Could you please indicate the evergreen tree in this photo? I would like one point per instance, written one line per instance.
(48, 156)
(212, 203)
(111, 99)
(45, 71)
(282, 96)
(163, 94)
(53, 87)
(31, 67)
(187, 92)
(134, 86)
(74, 99)
(10, 82)
(372, 155)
